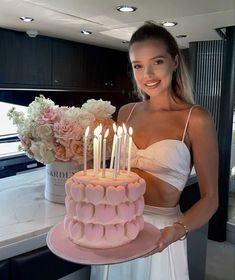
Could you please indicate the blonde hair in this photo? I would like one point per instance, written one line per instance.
(181, 83)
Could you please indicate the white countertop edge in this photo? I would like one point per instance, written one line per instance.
(23, 246)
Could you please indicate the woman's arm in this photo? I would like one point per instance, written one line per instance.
(203, 138)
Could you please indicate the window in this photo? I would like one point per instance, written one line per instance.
(11, 159)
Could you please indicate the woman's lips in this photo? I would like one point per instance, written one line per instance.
(152, 84)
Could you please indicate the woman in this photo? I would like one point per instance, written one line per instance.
(170, 136)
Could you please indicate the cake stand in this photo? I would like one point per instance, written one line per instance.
(61, 246)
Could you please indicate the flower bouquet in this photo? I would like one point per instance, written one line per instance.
(49, 132)
(54, 136)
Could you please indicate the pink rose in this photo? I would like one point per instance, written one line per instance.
(60, 153)
(25, 142)
(48, 115)
(66, 130)
(76, 149)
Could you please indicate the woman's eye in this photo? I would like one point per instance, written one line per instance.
(137, 66)
(159, 61)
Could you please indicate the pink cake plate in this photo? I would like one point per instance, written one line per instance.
(61, 246)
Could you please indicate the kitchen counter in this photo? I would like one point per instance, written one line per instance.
(25, 216)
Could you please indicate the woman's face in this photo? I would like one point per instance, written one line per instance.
(152, 66)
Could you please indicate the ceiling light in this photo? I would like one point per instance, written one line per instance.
(181, 36)
(126, 8)
(85, 32)
(169, 23)
(26, 19)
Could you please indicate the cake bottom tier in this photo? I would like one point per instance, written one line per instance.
(102, 236)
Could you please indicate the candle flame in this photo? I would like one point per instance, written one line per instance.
(124, 128)
(97, 131)
(106, 133)
(114, 127)
(130, 130)
(87, 131)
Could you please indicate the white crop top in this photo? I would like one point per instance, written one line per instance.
(168, 160)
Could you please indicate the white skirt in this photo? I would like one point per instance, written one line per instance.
(170, 264)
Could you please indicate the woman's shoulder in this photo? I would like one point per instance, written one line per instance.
(201, 118)
(200, 114)
(125, 111)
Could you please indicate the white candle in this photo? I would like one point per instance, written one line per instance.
(85, 150)
(99, 146)
(129, 151)
(119, 132)
(113, 146)
(95, 151)
(104, 152)
(124, 146)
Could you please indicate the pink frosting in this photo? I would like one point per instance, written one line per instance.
(68, 185)
(94, 232)
(76, 230)
(94, 194)
(70, 207)
(126, 211)
(84, 211)
(139, 206)
(132, 229)
(114, 233)
(105, 213)
(140, 221)
(115, 195)
(77, 191)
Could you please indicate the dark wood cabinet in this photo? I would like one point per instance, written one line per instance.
(68, 64)
(24, 60)
(52, 63)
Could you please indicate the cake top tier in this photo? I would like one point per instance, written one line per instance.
(122, 179)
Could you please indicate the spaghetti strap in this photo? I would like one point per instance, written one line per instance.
(132, 109)
(186, 125)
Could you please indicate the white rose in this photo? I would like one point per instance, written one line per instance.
(44, 131)
(48, 156)
(35, 149)
(86, 119)
(100, 108)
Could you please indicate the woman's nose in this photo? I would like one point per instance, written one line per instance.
(148, 71)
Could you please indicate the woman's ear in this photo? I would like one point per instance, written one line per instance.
(176, 62)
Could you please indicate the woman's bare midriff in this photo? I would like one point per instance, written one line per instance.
(158, 193)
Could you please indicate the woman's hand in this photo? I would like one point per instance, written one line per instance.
(168, 236)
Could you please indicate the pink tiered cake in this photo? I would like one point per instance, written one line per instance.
(104, 212)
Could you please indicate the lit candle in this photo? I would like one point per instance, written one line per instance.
(85, 150)
(113, 146)
(129, 151)
(104, 152)
(124, 146)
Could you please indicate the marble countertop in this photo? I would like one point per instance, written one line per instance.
(25, 216)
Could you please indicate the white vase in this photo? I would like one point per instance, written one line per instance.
(56, 175)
